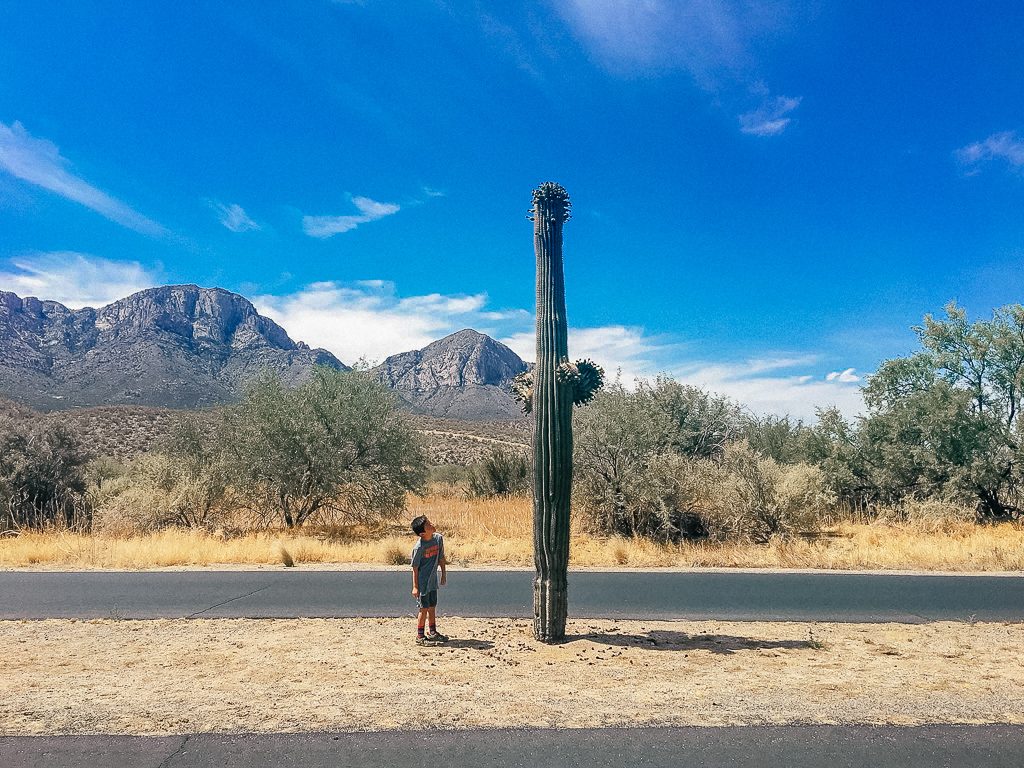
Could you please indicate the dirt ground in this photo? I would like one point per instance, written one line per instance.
(184, 676)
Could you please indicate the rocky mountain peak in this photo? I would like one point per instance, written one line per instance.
(463, 358)
(201, 315)
(465, 375)
(176, 345)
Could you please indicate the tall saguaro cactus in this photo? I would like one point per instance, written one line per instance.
(555, 386)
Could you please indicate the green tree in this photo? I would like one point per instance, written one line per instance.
(337, 442)
(777, 437)
(945, 421)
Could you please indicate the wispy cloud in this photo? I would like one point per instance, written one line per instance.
(703, 37)
(76, 279)
(233, 217)
(328, 226)
(770, 119)
(39, 162)
(1004, 146)
(715, 41)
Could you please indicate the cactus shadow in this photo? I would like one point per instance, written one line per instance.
(667, 640)
(469, 644)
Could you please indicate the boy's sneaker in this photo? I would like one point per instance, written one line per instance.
(428, 640)
(437, 636)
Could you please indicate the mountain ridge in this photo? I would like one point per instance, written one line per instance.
(176, 346)
(184, 346)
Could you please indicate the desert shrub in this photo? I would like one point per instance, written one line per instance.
(763, 499)
(156, 491)
(738, 496)
(643, 458)
(503, 473)
(139, 501)
(662, 500)
(41, 475)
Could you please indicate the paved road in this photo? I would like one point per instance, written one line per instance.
(740, 596)
(737, 747)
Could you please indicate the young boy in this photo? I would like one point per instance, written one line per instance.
(427, 556)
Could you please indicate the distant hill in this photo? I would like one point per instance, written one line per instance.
(177, 346)
(126, 431)
(466, 375)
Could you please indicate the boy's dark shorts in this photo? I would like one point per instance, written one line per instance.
(427, 599)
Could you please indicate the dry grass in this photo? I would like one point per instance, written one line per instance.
(499, 531)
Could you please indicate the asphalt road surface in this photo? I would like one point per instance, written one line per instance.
(991, 746)
(738, 596)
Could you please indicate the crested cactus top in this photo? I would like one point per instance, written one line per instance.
(554, 200)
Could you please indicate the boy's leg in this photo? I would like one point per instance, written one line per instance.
(421, 621)
(433, 626)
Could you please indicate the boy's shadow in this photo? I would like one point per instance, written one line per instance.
(665, 640)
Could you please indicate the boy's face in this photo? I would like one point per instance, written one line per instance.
(428, 530)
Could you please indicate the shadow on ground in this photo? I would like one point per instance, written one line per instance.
(473, 645)
(665, 640)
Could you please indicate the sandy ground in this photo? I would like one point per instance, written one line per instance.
(184, 676)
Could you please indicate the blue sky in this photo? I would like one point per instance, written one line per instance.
(767, 195)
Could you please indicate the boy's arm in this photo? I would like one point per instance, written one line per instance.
(443, 561)
(415, 560)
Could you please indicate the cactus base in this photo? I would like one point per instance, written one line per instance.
(550, 606)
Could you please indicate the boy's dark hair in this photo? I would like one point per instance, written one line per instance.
(418, 524)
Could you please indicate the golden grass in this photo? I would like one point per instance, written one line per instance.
(499, 532)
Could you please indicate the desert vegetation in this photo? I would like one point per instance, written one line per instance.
(665, 475)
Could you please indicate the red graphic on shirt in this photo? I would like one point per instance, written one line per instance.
(430, 551)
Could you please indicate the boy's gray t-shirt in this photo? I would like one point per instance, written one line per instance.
(425, 557)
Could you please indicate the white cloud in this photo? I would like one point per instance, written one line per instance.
(846, 376)
(614, 347)
(999, 146)
(39, 162)
(328, 226)
(368, 319)
(76, 279)
(796, 394)
(779, 384)
(233, 217)
(770, 118)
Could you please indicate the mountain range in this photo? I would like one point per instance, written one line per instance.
(182, 346)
